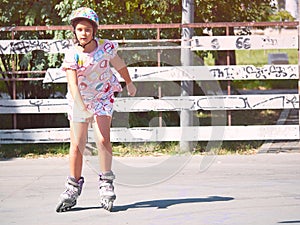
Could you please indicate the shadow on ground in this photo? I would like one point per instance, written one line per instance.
(76, 209)
(291, 222)
(159, 204)
(165, 203)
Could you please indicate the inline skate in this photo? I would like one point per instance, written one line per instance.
(106, 190)
(68, 198)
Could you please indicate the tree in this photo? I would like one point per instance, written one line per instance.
(23, 13)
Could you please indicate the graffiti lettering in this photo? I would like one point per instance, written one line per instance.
(270, 41)
(252, 72)
(243, 43)
(26, 46)
(37, 103)
(294, 101)
(246, 102)
(215, 44)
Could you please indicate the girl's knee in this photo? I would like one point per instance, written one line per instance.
(75, 150)
(103, 142)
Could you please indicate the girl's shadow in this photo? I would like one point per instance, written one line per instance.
(159, 204)
(165, 203)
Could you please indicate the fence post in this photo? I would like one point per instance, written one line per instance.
(298, 28)
(160, 117)
(228, 82)
(14, 82)
(186, 60)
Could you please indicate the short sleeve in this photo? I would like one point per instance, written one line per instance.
(110, 48)
(115, 48)
(70, 61)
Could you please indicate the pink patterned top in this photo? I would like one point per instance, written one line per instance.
(96, 81)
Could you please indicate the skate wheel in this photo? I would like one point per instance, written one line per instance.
(59, 208)
(107, 205)
(63, 207)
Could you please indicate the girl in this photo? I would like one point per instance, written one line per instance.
(91, 86)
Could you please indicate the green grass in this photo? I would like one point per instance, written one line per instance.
(260, 57)
(33, 150)
(127, 149)
(256, 57)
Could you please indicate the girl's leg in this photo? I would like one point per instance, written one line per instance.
(102, 137)
(106, 176)
(78, 135)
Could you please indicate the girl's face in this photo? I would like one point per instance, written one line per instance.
(84, 32)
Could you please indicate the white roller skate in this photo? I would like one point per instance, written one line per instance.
(106, 190)
(68, 198)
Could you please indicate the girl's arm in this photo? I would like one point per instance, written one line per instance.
(121, 67)
(79, 105)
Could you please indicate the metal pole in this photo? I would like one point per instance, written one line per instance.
(186, 60)
(14, 82)
(228, 82)
(298, 28)
(160, 117)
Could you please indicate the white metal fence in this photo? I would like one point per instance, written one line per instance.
(211, 102)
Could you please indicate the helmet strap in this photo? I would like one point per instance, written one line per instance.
(85, 44)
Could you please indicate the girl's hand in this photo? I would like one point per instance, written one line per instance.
(131, 89)
(82, 113)
(89, 116)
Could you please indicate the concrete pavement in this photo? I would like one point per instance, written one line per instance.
(262, 189)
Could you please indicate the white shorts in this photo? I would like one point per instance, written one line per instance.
(99, 107)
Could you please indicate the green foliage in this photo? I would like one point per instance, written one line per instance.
(28, 13)
(232, 11)
(56, 12)
(281, 15)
